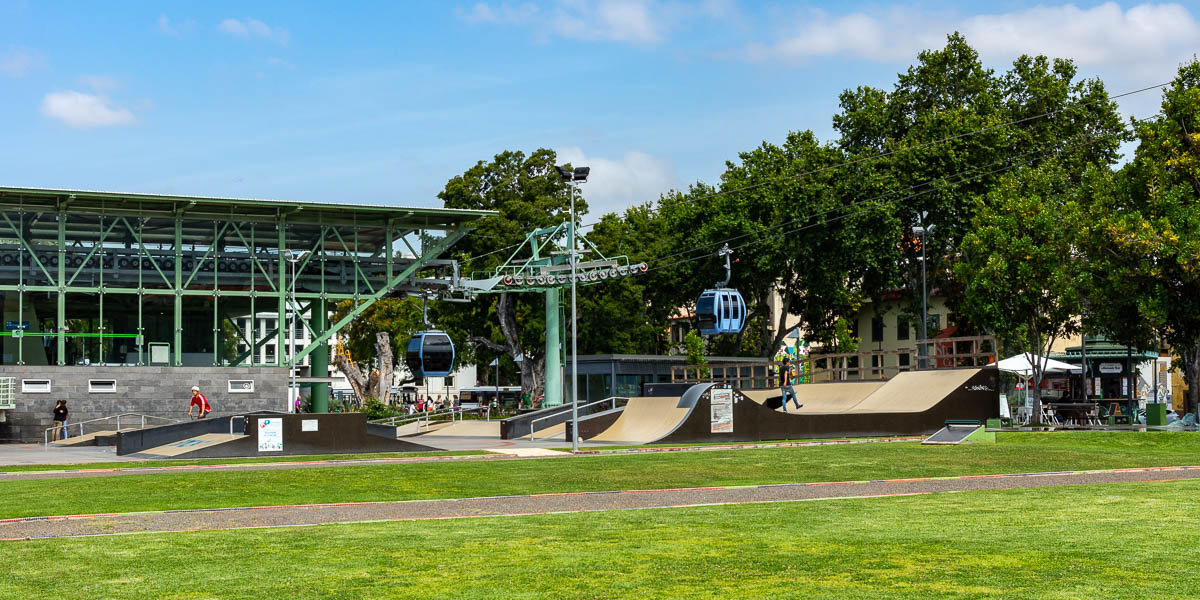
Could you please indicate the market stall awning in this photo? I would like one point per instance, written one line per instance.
(1022, 364)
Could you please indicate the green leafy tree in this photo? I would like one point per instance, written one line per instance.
(951, 129)
(1142, 233)
(1019, 263)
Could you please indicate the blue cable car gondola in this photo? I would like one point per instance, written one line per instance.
(721, 310)
(430, 353)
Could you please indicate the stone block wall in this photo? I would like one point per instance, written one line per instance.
(157, 391)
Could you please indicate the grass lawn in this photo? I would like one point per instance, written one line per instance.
(1016, 452)
(229, 461)
(1085, 542)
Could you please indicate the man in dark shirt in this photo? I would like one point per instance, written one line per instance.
(785, 384)
(60, 419)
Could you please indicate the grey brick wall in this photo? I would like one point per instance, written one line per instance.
(158, 391)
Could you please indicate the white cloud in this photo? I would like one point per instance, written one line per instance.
(502, 14)
(253, 28)
(164, 26)
(617, 184)
(632, 21)
(18, 62)
(279, 62)
(83, 111)
(1100, 36)
(100, 83)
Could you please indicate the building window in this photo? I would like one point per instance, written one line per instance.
(935, 323)
(269, 349)
(102, 386)
(901, 328)
(904, 359)
(877, 329)
(271, 326)
(35, 386)
(241, 386)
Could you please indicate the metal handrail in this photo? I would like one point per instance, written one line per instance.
(46, 433)
(401, 420)
(533, 431)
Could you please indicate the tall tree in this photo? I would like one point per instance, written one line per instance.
(1019, 263)
(1144, 231)
(809, 239)
(950, 129)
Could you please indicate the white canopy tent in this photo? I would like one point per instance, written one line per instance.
(1022, 365)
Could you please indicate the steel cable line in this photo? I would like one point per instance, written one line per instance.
(868, 209)
(883, 195)
(881, 155)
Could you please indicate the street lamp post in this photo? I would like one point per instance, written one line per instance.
(295, 390)
(574, 178)
(920, 231)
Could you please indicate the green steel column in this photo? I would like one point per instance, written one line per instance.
(282, 288)
(320, 357)
(62, 289)
(178, 295)
(553, 352)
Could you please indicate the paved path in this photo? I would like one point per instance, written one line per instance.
(301, 515)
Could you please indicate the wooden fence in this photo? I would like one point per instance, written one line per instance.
(943, 353)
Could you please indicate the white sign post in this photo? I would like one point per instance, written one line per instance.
(720, 400)
(270, 435)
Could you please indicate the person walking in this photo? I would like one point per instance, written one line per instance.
(60, 420)
(785, 384)
(200, 403)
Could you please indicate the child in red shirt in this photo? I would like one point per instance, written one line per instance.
(200, 403)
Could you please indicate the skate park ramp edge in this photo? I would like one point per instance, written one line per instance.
(912, 403)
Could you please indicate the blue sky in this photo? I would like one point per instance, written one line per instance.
(383, 102)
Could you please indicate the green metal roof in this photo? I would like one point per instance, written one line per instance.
(243, 209)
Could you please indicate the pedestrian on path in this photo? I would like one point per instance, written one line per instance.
(60, 420)
(200, 403)
(785, 384)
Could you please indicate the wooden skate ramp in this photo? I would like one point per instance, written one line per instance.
(489, 429)
(822, 397)
(913, 403)
(915, 391)
(916, 405)
(185, 448)
(645, 420)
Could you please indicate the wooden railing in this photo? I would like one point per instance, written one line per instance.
(944, 353)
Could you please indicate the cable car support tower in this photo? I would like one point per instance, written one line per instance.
(542, 264)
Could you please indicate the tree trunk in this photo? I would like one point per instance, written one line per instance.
(533, 365)
(383, 349)
(358, 382)
(1191, 375)
(785, 300)
(1036, 362)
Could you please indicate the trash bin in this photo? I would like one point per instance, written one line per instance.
(1156, 414)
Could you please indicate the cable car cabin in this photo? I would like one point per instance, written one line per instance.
(721, 311)
(430, 354)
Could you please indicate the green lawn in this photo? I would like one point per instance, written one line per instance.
(230, 461)
(1079, 542)
(1016, 452)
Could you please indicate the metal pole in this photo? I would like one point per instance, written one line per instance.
(574, 338)
(294, 391)
(924, 307)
